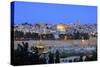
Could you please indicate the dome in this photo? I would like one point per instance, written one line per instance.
(61, 27)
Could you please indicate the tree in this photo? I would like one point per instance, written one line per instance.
(22, 56)
(57, 57)
(50, 36)
(77, 35)
(51, 57)
(18, 34)
(61, 36)
(28, 35)
(35, 36)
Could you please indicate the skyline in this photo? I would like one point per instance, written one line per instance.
(53, 13)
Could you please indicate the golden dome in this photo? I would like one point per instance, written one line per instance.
(40, 44)
(61, 27)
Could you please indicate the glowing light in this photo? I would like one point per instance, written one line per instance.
(65, 37)
(83, 40)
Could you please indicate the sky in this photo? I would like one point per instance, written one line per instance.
(32, 12)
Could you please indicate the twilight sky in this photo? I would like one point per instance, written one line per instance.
(53, 13)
